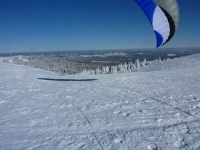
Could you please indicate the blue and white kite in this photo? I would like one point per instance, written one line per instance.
(164, 17)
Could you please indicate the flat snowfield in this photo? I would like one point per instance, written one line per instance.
(157, 108)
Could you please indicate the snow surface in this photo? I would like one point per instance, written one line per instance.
(107, 54)
(153, 109)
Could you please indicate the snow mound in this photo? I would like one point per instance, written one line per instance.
(177, 63)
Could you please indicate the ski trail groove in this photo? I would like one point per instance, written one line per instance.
(175, 108)
(97, 141)
(90, 126)
(83, 115)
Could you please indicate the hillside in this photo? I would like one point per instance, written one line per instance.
(155, 108)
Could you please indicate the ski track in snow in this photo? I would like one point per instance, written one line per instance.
(154, 109)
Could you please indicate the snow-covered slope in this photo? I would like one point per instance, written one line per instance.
(156, 108)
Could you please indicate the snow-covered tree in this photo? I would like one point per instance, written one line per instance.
(144, 63)
(107, 69)
(97, 71)
(137, 63)
(159, 60)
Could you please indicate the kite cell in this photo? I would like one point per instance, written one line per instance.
(163, 16)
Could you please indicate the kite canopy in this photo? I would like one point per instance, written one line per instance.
(164, 17)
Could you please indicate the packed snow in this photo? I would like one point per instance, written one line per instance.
(156, 108)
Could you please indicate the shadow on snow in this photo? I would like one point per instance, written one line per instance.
(51, 79)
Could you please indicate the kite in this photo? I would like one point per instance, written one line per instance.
(163, 16)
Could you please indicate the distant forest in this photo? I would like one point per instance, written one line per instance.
(96, 62)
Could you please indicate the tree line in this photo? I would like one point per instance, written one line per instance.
(63, 66)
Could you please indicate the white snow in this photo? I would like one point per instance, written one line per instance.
(106, 55)
(20, 57)
(155, 108)
(171, 54)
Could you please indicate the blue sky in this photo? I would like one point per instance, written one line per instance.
(56, 25)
